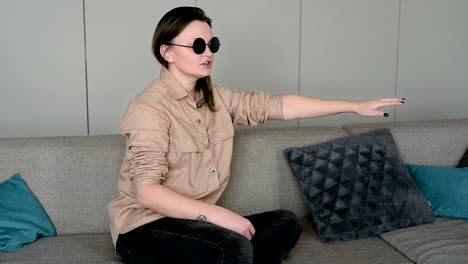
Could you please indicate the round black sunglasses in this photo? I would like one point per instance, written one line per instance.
(199, 45)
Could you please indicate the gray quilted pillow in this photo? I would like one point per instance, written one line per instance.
(358, 186)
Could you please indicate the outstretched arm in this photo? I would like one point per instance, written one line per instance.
(298, 106)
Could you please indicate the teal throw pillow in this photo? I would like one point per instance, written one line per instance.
(22, 218)
(446, 189)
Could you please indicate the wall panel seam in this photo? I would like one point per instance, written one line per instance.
(299, 54)
(397, 58)
(86, 68)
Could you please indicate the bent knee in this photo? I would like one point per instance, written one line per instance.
(290, 218)
(289, 222)
(238, 248)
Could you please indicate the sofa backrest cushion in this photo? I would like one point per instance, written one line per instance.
(74, 178)
(261, 178)
(433, 143)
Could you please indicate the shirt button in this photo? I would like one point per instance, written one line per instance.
(199, 121)
(212, 170)
(207, 146)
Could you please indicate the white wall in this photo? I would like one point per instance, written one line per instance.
(120, 62)
(42, 68)
(260, 46)
(433, 59)
(69, 63)
(348, 51)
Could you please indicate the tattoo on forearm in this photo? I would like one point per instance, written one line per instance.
(202, 218)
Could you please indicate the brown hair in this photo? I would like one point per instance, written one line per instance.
(169, 27)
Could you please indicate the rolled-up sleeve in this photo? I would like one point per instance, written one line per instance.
(146, 131)
(251, 108)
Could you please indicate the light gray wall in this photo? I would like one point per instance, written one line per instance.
(433, 59)
(71, 67)
(348, 51)
(120, 62)
(42, 68)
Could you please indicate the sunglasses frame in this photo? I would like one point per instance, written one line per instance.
(197, 48)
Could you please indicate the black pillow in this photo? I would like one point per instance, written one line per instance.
(358, 186)
(463, 161)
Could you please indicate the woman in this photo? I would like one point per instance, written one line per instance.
(179, 137)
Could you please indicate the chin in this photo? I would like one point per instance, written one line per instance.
(205, 74)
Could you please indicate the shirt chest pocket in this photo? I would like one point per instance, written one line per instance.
(185, 143)
(220, 133)
(195, 163)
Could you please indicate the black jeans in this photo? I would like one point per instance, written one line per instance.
(174, 241)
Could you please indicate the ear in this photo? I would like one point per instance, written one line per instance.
(166, 53)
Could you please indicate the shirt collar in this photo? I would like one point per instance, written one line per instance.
(173, 86)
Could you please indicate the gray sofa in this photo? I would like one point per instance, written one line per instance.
(75, 177)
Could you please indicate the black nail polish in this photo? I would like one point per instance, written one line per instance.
(403, 98)
(386, 114)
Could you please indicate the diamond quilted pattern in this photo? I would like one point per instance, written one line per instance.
(358, 186)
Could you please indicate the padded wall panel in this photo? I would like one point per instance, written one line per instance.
(42, 69)
(433, 60)
(259, 46)
(120, 62)
(348, 51)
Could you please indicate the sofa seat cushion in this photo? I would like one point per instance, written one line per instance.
(83, 248)
(97, 248)
(444, 241)
(369, 250)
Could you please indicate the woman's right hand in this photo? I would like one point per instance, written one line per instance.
(235, 222)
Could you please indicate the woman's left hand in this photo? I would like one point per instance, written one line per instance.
(370, 107)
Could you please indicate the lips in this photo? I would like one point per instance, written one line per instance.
(206, 63)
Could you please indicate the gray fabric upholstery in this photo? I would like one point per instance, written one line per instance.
(64, 249)
(445, 241)
(73, 177)
(97, 248)
(434, 143)
(261, 179)
(371, 250)
(358, 186)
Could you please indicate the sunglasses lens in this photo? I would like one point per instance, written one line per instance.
(199, 46)
(214, 44)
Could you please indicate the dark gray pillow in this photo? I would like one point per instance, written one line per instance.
(358, 186)
(463, 161)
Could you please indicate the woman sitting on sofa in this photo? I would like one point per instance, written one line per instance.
(179, 137)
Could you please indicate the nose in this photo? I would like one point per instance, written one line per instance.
(207, 51)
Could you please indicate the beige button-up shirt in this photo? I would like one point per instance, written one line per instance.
(170, 141)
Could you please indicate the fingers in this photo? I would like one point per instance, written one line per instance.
(248, 234)
(252, 230)
(393, 100)
(371, 107)
(245, 228)
(380, 113)
(384, 104)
